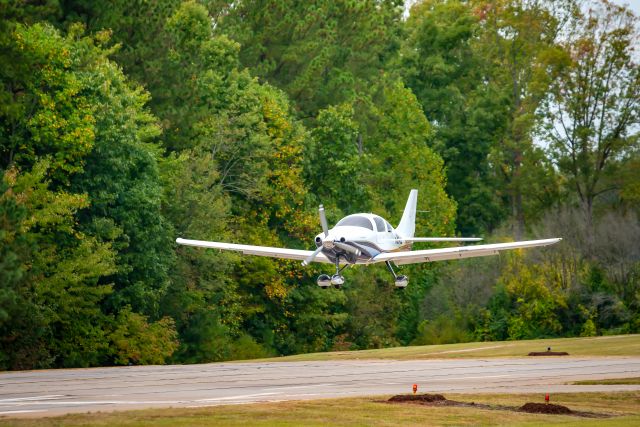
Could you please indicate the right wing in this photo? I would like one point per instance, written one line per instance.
(297, 254)
(430, 255)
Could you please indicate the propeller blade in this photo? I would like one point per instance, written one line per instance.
(311, 257)
(323, 221)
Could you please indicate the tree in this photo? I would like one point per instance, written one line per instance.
(334, 167)
(82, 193)
(403, 135)
(320, 53)
(122, 180)
(46, 101)
(536, 299)
(54, 294)
(137, 26)
(136, 341)
(593, 105)
(519, 38)
(443, 65)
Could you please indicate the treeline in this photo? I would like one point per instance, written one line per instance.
(124, 125)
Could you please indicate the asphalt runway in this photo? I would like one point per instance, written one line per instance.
(56, 392)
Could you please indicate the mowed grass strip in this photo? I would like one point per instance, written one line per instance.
(370, 411)
(613, 345)
(610, 381)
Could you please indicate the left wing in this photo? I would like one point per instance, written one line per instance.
(297, 254)
(430, 255)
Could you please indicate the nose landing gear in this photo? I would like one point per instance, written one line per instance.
(337, 280)
(324, 281)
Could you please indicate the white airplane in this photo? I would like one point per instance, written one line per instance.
(366, 238)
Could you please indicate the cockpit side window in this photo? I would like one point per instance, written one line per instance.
(389, 227)
(356, 221)
(379, 223)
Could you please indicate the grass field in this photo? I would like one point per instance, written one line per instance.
(374, 412)
(614, 345)
(611, 381)
(371, 411)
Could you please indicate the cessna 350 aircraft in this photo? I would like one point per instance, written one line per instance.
(366, 238)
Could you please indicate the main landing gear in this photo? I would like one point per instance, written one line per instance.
(401, 282)
(337, 280)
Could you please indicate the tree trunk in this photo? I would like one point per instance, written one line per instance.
(517, 210)
(587, 207)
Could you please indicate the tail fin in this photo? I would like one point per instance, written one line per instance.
(407, 226)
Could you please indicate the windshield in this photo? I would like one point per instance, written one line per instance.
(379, 223)
(355, 221)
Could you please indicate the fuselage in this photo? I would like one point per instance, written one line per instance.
(358, 238)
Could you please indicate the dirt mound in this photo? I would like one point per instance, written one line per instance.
(544, 408)
(548, 353)
(429, 398)
(533, 408)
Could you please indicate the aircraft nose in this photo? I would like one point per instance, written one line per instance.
(328, 242)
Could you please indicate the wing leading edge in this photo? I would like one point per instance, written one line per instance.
(435, 239)
(297, 254)
(430, 255)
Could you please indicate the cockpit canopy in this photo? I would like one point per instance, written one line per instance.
(355, 221)
(365, 221)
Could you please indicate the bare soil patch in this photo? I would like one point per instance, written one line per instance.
(429, 398)
(548, 353)
(530, 407)
(545, 408)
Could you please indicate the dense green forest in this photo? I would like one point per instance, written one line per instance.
(126, 124)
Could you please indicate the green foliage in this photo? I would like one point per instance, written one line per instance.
(56, 277)
(342, 103)
(334, 161)
(536, 300)
(373, 308)
(320, 53)
(442, 330)
(135, 341)
(47, 110)
(496, 318)
(518, 38)
(137, 26)
(122, 180)
(593, 103)
(20, 321)
(588, 329)
(93, 223)
(402, 136)
(440, 62)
